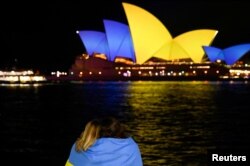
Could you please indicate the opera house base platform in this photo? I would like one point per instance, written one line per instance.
(91, 68)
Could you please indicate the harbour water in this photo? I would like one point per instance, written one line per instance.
(173, 122)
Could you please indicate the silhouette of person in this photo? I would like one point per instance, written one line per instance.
(105, 142)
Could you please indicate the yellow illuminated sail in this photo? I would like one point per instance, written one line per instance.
(152, 39)
(193, 41)
(148, 33)
(177, 52)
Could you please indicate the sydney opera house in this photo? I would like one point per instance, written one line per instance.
(145, 49)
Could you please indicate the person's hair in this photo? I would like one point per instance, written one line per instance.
(112, 127)
(88, 136)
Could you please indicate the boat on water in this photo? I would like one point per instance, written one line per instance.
(21, 77)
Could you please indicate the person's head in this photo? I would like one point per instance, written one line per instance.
(111, 127)
(89, 135)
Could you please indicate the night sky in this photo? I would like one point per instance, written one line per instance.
(42, 35)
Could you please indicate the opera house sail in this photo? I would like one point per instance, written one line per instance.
(229, 55)
(145, 49)
(152, 39)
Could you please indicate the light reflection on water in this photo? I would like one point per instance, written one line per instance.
(174, 123)
(169, 120)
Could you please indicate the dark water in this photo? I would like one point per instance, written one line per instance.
(174, 123)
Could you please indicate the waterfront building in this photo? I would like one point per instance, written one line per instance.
(145, 49)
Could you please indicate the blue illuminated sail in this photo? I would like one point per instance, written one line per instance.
(234, 53)
(230, 55)
(212, 53)
(119, 40)
(94, 42)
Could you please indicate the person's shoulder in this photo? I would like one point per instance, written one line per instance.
(130, 138)
(103, 140)
(73, 145)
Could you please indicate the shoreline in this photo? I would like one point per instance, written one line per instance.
(144, 78)
(72, 79)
